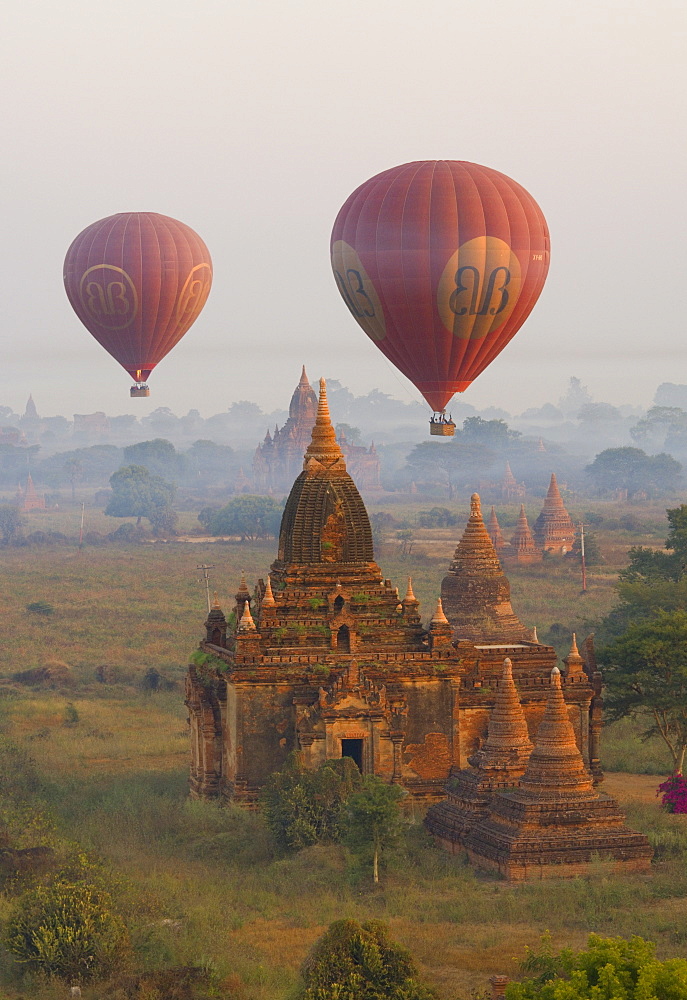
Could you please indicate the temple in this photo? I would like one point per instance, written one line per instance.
(523, 548)
(554, 530)
(325, 657)
(278, 458)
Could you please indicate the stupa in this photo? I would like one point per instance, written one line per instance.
(554, 822)
(475, 591)
(511, 489)
(499, 763)
(523, 548)
(495, 533)
(554, 530)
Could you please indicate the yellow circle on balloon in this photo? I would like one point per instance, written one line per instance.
(479, 287)
(357, 290)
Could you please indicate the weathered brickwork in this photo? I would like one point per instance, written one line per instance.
(327, 658)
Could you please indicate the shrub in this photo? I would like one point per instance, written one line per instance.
(353, 961)
(67, 929)
(40, 608)
(303, 806)
(674, 797)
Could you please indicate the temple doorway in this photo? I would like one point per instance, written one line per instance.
(343, 639)
(354, 750)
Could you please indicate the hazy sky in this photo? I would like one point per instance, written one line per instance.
(253, 121)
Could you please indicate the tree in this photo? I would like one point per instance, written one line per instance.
(373, 819)
(609, 969)
(353, 961)
(633, 470)
(10, 522)
(248, 516)
(646, 677)
(210, 462)
(74, 470)
(304, 806)
(437, 517)
(158, 456)
(137, 493)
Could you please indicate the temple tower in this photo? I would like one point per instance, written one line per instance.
(523, 548)
(554, 822)
(499, 763)
(495, 533)
(475, 592)
(554, 530)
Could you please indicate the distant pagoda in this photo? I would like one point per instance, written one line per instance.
(30, 499)
(554, 822)
(554, 530)
(511, 489)
(495, 533)
(475, 592)
(523, 548)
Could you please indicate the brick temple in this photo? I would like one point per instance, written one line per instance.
(324, 656)
(278, 459)
(534, 812)
(554, 530)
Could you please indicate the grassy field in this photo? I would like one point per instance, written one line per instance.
(203, 883)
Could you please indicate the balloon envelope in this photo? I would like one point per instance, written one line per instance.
(440, 262)
(137, 281)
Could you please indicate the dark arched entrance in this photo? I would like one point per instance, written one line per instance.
(343, 639)
(338, 604)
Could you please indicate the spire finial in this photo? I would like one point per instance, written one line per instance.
(268, 598)
(304, 378)
(215, 602)
(439, 618)
(246, 623)
(410, 596)
(324, 447)
(475, 507)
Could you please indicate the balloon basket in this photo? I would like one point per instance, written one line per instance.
(139, 390)
(442, 428)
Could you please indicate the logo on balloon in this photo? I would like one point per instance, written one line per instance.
(108, 295)
(479, 288)
(357, 290)
(194, 293)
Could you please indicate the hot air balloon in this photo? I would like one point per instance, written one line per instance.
(440, 262)
(138, 281)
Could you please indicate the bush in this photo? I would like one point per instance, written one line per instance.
(674, 798)
(353, 961)
(67, 929)
(304, 807)
(40, 608)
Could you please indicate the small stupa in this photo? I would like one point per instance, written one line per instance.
(31, 499)
(499, 763)
(511, 489)
(554, 530)
(523, 548)
(475, 592)
(554, 823)
(495, 533)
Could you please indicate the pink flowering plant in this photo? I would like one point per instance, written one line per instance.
(674, 797)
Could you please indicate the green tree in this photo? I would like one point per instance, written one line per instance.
(609, 969)
(158, 456)
(372, 821)
(138, 493)
(10, 522)
(304, 806)
(250, 517)
(633, 470)
(353, 961)
(646, 676)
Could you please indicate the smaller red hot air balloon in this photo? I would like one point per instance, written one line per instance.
(440, 262)
(138, 281)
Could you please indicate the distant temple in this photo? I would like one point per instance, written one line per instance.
(324, 657)
(29, 499)
(91, 425)
(554, 530)
(511, 489)
(278, 459)
(523, 548)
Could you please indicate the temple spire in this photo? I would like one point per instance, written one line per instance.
(507, 732)
(246, 624)
(323, 447)
(556, 764)
(268, 597)
(439, 618)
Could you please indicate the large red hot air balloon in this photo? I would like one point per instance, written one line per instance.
(440, 262)
(138, 281)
